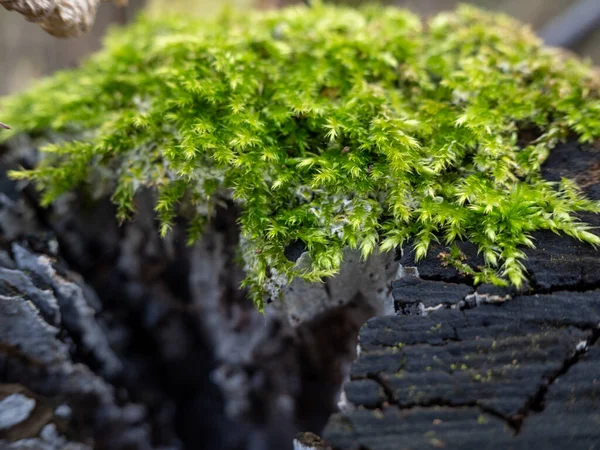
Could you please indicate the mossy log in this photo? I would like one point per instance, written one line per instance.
(331, 127)
(467, 367)
(405, 136)
(113, 338)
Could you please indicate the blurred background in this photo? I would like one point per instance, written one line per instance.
(27, 53)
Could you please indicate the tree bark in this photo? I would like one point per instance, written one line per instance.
(467, 367)
(92, 310)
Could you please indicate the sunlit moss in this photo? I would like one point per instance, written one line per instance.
(331, 126)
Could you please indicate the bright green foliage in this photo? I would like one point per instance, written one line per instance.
(328, 125)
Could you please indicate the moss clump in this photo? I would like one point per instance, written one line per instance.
(331, 126)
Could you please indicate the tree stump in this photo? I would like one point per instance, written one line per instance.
(467, 367)
(113, 338)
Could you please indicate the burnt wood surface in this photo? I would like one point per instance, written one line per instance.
(113, 338)
(464, 367)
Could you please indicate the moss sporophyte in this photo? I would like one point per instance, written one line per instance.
(328, 126)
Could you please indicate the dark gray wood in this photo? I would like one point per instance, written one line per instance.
(463, 367)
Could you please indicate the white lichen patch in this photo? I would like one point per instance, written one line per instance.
(14, 409)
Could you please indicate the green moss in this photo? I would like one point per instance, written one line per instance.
(336, 127)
